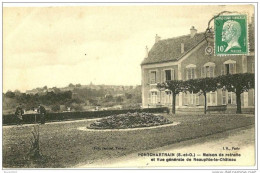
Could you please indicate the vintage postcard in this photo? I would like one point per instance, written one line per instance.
(169, 86)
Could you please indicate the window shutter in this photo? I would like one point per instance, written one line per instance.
(231, 68)
(210, 71)
(162, 97)
(234, 98)
(158, 97)
(149, 98)
(202, 72)
(162, 76)
(223, 69)
(172, 75)
(234, 69)
(197, 99)
(155, 77)
(149, 77)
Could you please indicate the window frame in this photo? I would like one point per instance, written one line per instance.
(191, 71)
(209, 69)
(155, 78)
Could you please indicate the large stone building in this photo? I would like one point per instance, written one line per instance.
(183, 58)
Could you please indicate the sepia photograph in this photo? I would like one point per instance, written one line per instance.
(135, 85)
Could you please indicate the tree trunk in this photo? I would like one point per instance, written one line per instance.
(238, 98)
(173, 102)
(205, 101)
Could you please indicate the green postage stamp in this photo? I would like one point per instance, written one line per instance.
(231, 35)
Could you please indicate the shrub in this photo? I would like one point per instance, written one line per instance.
(55, 108)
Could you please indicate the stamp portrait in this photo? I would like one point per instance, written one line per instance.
(231, 35)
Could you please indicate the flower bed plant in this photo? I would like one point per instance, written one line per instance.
(129, 120)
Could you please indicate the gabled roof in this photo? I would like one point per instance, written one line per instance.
(170, 49)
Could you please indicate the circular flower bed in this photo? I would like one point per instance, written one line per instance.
(129, 120)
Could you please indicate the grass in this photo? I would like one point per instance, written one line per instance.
(63, 145)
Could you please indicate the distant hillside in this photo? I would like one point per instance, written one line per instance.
(75, 98)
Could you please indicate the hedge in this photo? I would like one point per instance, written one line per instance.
(30, 118)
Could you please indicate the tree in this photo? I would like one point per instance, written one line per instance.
(128, 96)
(10, 94)
(71, 85)
(237, 83)
(176, 86)
(119, 99)
(202, 86)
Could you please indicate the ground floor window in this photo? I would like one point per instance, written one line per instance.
(191, 99)
(231, 98)
(168, 97)
(212, 98)
(228, 97)
(153, 97)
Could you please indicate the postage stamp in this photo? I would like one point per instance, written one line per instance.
(231, 35)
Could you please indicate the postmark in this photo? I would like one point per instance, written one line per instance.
(231, 35)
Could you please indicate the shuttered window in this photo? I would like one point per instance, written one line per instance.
(168, 75)
(228, 69)
(190, 73)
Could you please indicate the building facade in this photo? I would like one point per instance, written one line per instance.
(183, 58)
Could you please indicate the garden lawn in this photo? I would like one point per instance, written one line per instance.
(63, 145)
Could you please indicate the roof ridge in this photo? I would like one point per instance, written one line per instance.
(179, 37)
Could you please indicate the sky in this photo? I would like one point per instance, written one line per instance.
(55, 46)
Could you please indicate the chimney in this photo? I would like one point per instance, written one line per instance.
(193, 32)
(146, 52)
(157, 38)
(182, 47)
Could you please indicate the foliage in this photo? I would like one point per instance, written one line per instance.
(237, 83)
